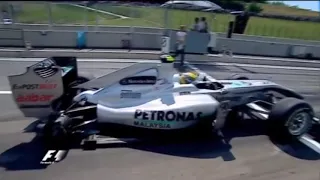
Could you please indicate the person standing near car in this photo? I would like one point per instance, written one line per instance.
(180, 44)
(195, 26)
(203, 25)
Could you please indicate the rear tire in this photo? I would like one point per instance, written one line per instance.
(234, 119)
(66, 100)
(56, 135)
(82, 78)
(289, 119)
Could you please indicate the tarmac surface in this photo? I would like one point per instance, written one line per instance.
(248, 155)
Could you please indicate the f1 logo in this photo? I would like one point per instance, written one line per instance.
(53, 156)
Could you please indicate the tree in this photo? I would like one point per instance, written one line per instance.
(278, 3)
(230, 4)
(254, 8)
(240, 1)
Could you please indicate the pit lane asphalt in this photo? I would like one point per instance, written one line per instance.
(249, 155)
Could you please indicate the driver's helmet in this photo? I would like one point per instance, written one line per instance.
(188, 78)
(166, 59)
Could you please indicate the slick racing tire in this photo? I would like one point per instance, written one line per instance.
(82, 78)
(289, 118)
(56, 135)
(234, 119)
(238, 77)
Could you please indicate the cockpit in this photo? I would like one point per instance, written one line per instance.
(198, 80)
(209, 85)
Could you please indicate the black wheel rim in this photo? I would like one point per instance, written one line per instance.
(298, 122)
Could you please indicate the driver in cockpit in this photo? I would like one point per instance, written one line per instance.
(184, 78)
(190, 77)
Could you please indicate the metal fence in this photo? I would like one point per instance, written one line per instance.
(115, 14)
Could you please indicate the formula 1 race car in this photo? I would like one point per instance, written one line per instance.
(150, 96)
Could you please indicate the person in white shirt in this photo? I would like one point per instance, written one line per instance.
(203, 25)
(180, 43)
(195, 26)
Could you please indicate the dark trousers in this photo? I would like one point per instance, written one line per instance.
(181, 53)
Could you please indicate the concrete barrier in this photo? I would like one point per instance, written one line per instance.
(65, 39)
(45, 27)
(66, 27)
(258, 48)
(100, 39)
(68, 39)
(271, 39)
(11, 37)
(146, 41)
(132, 39)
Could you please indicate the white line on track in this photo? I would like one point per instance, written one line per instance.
(268, 58)
(310, 142)
(155, 61)
(82, 60)
(262, 66)
(100, 11)
(5, 92)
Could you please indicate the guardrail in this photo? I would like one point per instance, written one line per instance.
(128, 29)
(145, 38)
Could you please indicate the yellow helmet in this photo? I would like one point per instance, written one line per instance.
(189, 77)
(167, 59)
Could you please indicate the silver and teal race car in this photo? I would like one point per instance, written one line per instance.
(152, 96)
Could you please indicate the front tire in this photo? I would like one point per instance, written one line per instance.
(290, 118)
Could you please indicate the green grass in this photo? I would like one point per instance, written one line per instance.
(283, 28)
(154, 17)
(219, 22)
(37, 12)
(286, 10)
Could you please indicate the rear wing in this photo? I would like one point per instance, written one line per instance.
(35, 90)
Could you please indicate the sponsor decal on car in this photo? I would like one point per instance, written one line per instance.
(185, 93)
(45, 68)
(34, 98)
(45, 63)
(162, 119)
(34, 86)
(129, 94)
(139, 80)
(151, 124)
